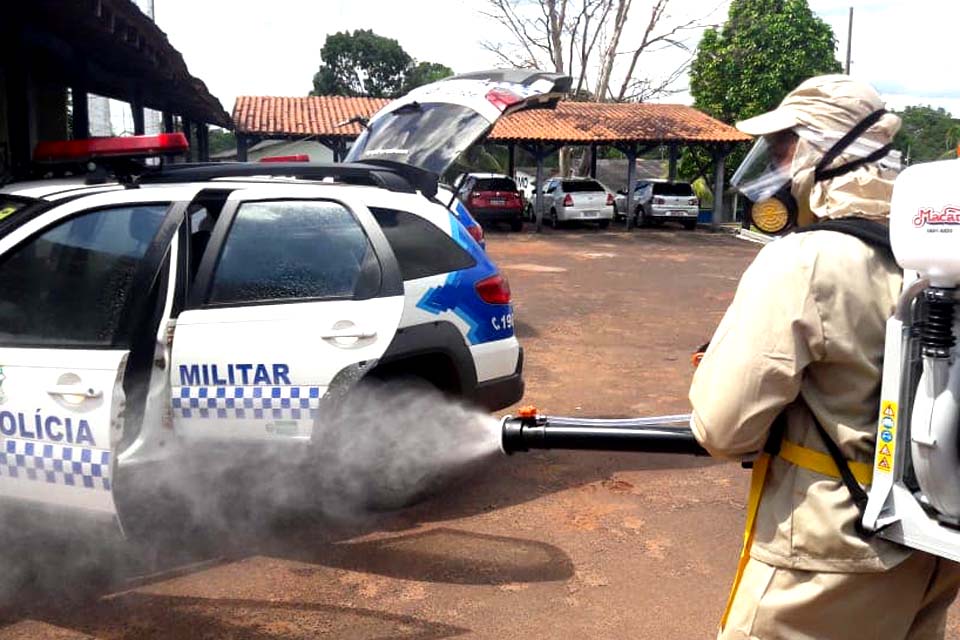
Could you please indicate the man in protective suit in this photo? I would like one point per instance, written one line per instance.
(796, 361)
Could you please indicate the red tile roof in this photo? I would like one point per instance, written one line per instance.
(583, 122)
(570, 122)
(311, 115)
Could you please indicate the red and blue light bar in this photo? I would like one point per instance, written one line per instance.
(115, 147)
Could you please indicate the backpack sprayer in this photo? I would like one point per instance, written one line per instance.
(915, 496)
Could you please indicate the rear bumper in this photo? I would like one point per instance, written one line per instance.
(585, 214)
(674, 213)
(487, 216)
(501, 392)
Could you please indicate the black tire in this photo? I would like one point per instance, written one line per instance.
(640, 219)
(604, 224)
(516, 225)
(689, 225)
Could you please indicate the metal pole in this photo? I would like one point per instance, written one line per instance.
(849, 39)
(512, 160)
(674, 155)
(718, 187)
(631, 182)
(538, 154)
(242, 144)
(593, 160)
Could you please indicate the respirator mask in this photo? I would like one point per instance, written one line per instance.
(766, 175)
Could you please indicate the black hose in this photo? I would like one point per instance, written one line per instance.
(636, 434)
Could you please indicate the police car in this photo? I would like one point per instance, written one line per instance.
(148, 313)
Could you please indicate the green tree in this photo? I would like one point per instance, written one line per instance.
(764, 49)
(927, 134)
(221, 140)
(361, 64)
(423, 73)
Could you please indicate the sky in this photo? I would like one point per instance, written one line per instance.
(905, 48)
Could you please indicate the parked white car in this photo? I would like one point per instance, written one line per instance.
(577, 199)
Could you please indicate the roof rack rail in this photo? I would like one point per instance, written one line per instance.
(394, 176)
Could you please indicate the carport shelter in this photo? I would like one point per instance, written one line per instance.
(633, 128)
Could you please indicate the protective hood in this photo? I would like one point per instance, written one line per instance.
(433, 124)
(822, 111)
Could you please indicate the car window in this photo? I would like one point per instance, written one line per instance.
(672, 189)
(294, 250)
(69, 285)
(495, 184)
(579, 186)
(421, 248)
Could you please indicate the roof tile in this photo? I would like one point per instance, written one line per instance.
(570, 122)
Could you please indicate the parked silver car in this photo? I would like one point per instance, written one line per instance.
(641, 197)
(580, 199)
(668, 201)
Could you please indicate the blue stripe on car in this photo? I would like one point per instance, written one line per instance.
(459, 295)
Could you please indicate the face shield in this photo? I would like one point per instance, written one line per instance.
(766, 169)
(764, 177)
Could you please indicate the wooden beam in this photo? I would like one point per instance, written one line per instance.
(136, 107)
(81, 113)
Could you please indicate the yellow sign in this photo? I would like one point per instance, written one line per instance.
(886, 437)
(6, 211)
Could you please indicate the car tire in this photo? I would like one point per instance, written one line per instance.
(604, 224)
(689, 225)
(640, 218)
(516, 225)
(554, 219)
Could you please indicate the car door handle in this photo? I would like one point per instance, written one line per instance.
(87, 393)
(348, 332)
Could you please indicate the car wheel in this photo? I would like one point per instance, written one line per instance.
(640, 219)
(689, 225)
(603, 224)
(516, 225)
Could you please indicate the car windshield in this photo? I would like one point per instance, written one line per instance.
(578, 186)
(672, 189)
(495, 184)
(429, 136)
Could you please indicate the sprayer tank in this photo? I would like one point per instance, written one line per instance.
(925, 221)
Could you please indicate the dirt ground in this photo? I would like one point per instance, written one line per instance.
(540, 545)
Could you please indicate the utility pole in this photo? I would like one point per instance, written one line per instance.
(849, 39)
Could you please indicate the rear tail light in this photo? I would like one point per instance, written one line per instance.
(502, 98)
(568, 200)
(494, 290)
(693, 202)
(476, 232)
(610, 199)
(659, 201)
(300, 157)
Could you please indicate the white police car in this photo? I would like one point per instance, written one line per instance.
(147, 315)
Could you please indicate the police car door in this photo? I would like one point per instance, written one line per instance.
(71, 296)
(295, 293)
